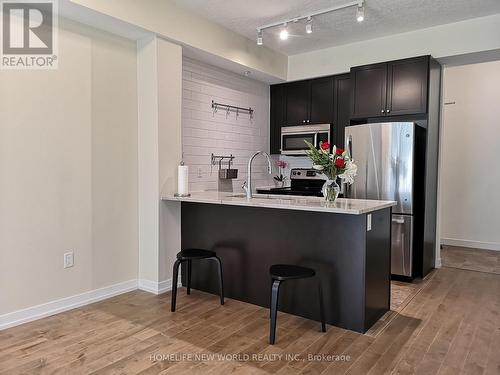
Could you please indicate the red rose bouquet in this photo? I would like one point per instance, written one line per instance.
(338, 163)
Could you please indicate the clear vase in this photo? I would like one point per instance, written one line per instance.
(330, 190)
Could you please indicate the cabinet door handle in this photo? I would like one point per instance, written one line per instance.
(308, 121)
(382, 111)
(303, 121)
(388, 110)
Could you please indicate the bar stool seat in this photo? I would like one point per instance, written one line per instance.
(283, 272)
(188, 255)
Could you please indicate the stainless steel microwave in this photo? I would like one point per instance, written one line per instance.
(293, 137)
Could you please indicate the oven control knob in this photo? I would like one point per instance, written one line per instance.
(298, 173)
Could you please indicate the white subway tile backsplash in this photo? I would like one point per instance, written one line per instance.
(205, 132)
(200, 142)
(188, 84)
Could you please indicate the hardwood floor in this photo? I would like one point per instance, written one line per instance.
(451, 326)
(471, 259)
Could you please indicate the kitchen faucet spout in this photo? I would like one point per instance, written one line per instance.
(247, 186)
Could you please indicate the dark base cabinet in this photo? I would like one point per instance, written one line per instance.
(353, 264)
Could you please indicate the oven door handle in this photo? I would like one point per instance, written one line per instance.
(316, 141)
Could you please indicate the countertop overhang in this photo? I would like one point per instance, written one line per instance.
(287, 202)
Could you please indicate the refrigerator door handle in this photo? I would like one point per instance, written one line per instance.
(348, 144)
(403, 253)
(398, 221)
(345, 188)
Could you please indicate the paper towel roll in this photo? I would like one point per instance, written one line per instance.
(182, 179)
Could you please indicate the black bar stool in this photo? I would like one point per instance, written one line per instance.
(283, 272)
(188, 255)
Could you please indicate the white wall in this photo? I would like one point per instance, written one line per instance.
(205, 133)
(470, 151)
(159, 75)
(148, 170)
(178, 25)
(465, 37)
(170, 146)
(68, 171)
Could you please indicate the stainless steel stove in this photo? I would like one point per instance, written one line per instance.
(303, 181)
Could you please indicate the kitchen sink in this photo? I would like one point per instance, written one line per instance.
(259, 196)
(240, 195)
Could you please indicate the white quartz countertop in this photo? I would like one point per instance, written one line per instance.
(288, 202)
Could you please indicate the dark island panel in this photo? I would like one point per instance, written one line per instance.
(250, 239)
(378, 267)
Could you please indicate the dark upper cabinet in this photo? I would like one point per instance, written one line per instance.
(321, 102)
(407, 86)
(277, 116)
(309, 102)
(298, 100)
(381, 90)
(389, 89)
(369, 89)
(342, 103)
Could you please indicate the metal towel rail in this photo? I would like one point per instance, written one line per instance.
(231, 108)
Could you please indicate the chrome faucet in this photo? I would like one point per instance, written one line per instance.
(247, 185)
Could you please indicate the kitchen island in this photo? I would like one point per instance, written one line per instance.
(347, 242)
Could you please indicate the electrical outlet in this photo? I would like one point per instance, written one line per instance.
(68, 259)
(200, 172)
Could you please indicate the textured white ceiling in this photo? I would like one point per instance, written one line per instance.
(382, 17)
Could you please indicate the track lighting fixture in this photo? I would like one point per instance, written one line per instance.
(309, 25)
(360, 13)
(360, 16)
(284, 32)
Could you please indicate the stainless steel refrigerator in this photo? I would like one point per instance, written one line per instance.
(389, 157)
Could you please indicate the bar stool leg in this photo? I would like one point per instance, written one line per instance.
(221, 280)
(189, 276)
(321, 307)
(274, 310)
(174, 284)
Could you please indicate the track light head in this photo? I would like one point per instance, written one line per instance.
(360, 13)
(309, 25)
(284, 32)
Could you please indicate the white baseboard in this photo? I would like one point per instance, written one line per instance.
(469, 243)
(156, 287)
(64, 304)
